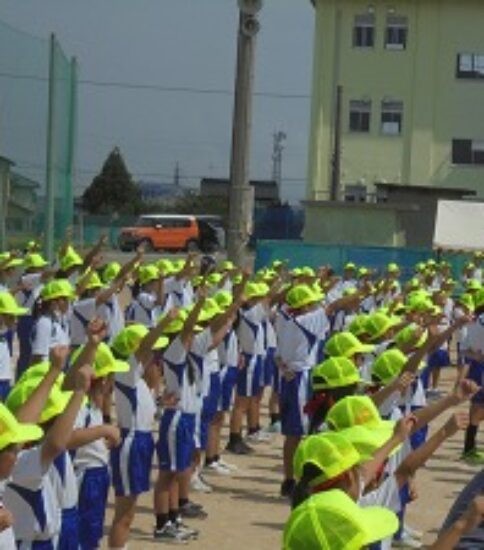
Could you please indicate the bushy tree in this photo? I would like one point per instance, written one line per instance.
(113, 189)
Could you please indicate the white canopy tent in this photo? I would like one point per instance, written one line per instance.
(459, 225)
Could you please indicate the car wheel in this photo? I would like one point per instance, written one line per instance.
(192, 246)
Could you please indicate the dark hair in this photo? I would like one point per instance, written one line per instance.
(302, 491)
(479, 310)
(332, 396)
(39, 308)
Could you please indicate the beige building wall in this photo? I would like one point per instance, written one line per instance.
(437, 106)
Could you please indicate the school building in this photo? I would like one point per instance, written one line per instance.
(411, 78)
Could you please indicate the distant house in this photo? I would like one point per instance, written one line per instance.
(22, 204)
(266, 192)
(152, 192)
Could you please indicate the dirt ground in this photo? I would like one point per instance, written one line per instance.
(245, 510)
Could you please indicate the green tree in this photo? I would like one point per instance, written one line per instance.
(113, 189)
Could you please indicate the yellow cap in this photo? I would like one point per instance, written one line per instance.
(55, 405)
(358, 325)
(209, 310)
(70, 259)
(346, 344)
(9, 306)
(58, 288)
(331, 520)
(148, 273)
(357, 410)
(110, 272)
(93, 281)
(12, 431)
(303, 295)
(335, 372)
(329, 452)
(165, 267)
(377, 324)
(388, 365)
(34, 260)
(128, 340)
(104, 362)
(224, 299)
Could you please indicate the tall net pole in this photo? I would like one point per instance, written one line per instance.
(50, 161)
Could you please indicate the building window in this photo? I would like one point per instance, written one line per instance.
(364, 31)
(391, 118)
(360, 112)
(396, 32)
(470, 65)
(467, 151)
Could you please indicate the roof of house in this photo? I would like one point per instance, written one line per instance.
(425, 188)
(226, 181)
(21, 181)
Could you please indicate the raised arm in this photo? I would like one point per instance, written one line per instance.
(144, 352)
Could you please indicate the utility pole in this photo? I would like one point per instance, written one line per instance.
(336, 162)
(277, 149)
(241, 194)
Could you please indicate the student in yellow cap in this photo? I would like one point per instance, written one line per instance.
(92, 438)
(71, 263)
(149, 299)
(95, 299)
(302, 327)
(36, 274)
(176, 440)
(51, 326)
(38, 398)
(13, 435)
(9, 313)
(9, 262)
(132, 459)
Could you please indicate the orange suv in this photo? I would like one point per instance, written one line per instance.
(172, 232)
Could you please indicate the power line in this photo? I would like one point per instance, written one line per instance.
(157, 87)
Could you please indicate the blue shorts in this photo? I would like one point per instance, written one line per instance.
(93, 497)
(228, 376)
(37, 545)
(131, 463)
(176, 441)
(295, 394)
(5, 388)
(249, 378)
(476, 374)
(439, 359)
(269, 366)
(69, 535)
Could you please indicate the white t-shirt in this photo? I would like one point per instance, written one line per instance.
(63, 479)
(298, 338)
(228, 350)
(474, 338)
(7, 537)
(32, 500)
(250, 331)
(94, 454)
(111, 312)
(182, 377)
(387, 496)
(143, 309)
(135, 406)
(32, 283)
(83, 311)
(5, 359)
(205, 357)
(49, 332)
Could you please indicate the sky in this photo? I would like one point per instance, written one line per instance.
(172, 43)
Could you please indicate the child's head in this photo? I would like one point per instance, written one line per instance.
(34, 263)
(9, 310)
(56, 296)
(346, 344)
(148, 276)
(12, 435)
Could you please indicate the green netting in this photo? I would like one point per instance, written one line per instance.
(297, 253)
(37, 83)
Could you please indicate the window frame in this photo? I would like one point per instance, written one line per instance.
(470, 151)
(363, 116)
(362, 29)
(475, 70)
(393, 111)
(396, 24)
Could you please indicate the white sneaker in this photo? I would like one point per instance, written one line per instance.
(228, 465)
(413, 533)
(259, 437)
(407, 542)
(199, 485)
(217, 468)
